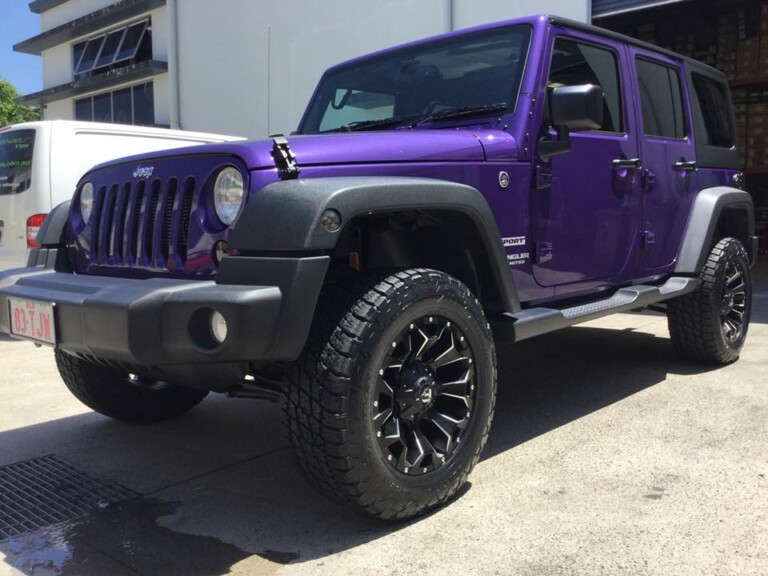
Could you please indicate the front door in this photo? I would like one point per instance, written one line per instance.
(586, 203)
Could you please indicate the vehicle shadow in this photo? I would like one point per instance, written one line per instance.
(220, 486)
(555, 379)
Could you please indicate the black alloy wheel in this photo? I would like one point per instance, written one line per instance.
(710, 324)
(392, 399)
(733, 305)
(425, 396)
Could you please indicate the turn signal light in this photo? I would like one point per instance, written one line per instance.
(33, 227)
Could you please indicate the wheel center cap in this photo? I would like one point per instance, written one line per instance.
(426, 394)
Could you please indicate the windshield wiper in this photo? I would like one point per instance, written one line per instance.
(463, 112)
(369, 124)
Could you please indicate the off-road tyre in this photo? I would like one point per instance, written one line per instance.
(123, 396)
(337, 389)
(710, 324)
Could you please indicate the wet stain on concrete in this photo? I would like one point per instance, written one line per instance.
(127, 539)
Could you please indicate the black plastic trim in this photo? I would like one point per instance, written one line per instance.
(702, 223)
(285, 216)
(51, 232)
(268, 304)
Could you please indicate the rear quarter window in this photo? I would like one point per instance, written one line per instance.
(715, 108)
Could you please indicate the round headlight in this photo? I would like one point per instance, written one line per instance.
(86, 201)
(228, 194)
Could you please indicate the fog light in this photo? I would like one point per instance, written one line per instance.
(218, 328)
(330, 220)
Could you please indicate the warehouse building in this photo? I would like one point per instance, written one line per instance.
(248, 67)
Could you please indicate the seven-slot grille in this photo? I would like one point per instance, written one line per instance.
(144, 223)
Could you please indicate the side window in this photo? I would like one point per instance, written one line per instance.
(713, 102)
(660, 99)
(575, 63)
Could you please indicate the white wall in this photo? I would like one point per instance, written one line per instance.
(57, 65)
(472, 12)
(253, 73)
(59, 110)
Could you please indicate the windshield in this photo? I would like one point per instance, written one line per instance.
(480, 71)
(16, 149)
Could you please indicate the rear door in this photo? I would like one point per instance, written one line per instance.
(669, 170)
(586, 206)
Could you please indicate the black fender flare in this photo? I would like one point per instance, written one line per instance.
(51, 232)
(285, 216)
(707, 209)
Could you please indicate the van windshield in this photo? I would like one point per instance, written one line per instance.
(16, 149)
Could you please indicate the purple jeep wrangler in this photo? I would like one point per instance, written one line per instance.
(518, 178)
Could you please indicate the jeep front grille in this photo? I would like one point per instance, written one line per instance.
(143, 224)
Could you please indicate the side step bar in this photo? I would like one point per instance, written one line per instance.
(537, 321)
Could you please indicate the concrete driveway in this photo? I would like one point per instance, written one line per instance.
(608, 456)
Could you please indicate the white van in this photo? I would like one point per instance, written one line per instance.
(41, 162)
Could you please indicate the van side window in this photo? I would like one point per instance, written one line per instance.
(713, 102)
(575, 63)
(660, 99)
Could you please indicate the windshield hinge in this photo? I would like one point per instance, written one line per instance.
(284, 159)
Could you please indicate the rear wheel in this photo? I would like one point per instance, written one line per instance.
(391, 403)
(710, 324)
(124, 396)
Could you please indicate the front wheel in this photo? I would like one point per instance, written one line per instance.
(392, 400)
(710, 325)
(123, 396)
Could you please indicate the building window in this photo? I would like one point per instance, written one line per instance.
(115, 49)
(134, 105)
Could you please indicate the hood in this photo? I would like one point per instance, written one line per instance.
(392, 146)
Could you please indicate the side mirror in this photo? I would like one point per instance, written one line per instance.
(573, 108)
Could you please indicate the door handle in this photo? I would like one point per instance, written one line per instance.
(633, 163)
(686, 166)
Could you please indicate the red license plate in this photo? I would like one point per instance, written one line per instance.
(32, 320)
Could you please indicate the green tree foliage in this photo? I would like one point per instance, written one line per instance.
(10, 112)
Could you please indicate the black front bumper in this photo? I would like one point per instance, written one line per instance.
(268, 304)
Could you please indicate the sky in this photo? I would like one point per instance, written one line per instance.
(18, 23)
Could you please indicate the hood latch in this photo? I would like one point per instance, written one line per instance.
(284, 159)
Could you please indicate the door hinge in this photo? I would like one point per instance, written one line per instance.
(647, 179)
(544, 252)
(543, 177)
(284, 159)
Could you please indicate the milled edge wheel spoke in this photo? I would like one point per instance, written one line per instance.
(458, 388)
(446, 425)
(383, 416)
(426, 345)
(449, 356)
(425, 449)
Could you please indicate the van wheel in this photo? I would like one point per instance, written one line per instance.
(124, 396)
(391, 402)
(710, 324)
